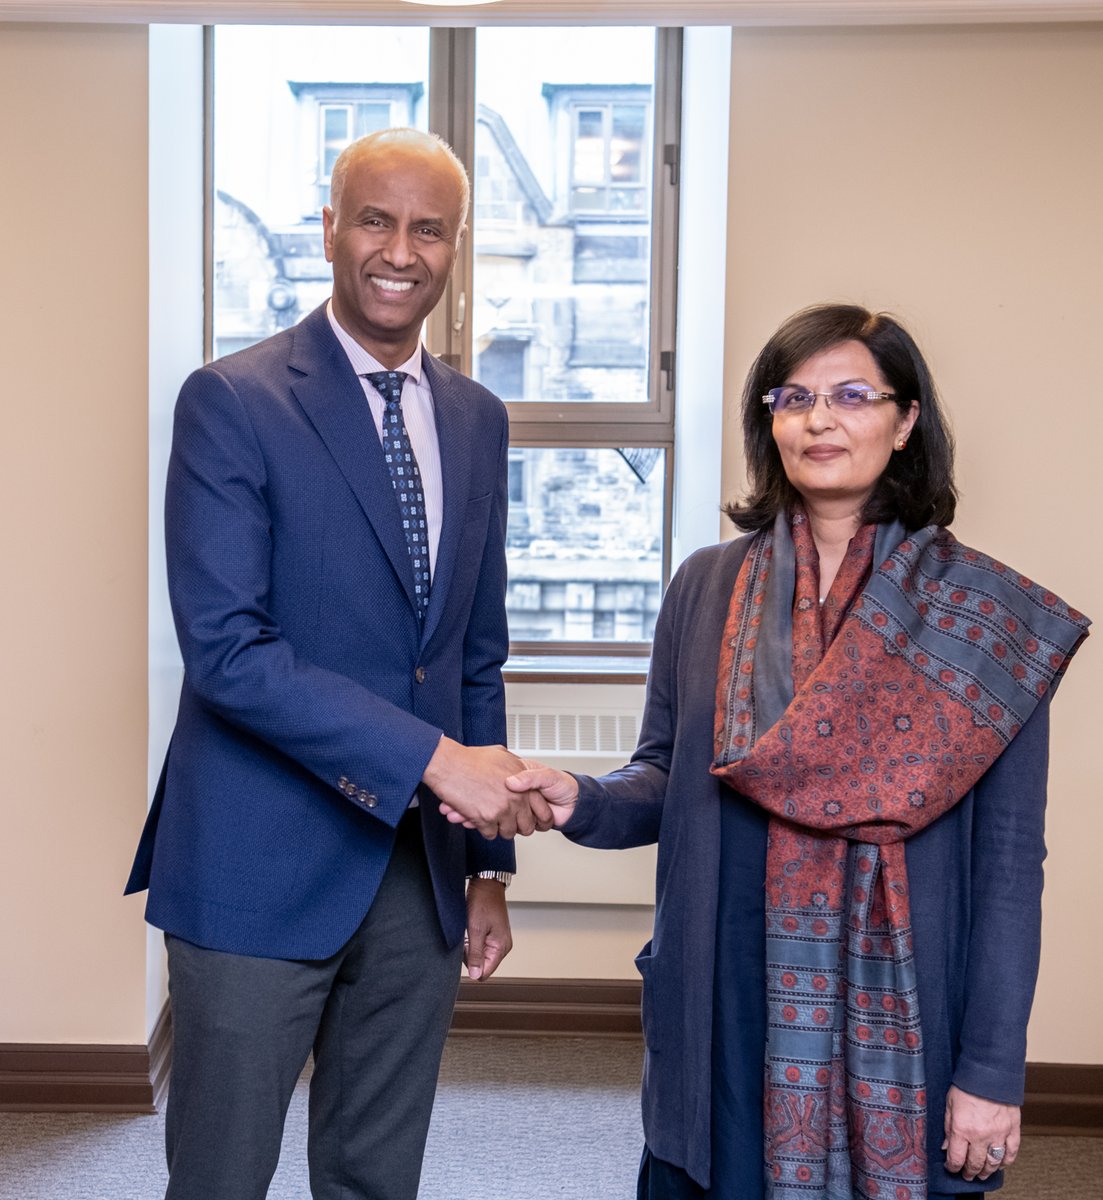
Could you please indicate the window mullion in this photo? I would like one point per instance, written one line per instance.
(664, 218)
(208, 193)
(587, 433)
(452, 116)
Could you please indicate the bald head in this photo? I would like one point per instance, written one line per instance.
(393, 234)
(399, 142)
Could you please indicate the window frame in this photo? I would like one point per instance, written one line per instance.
(351, 96)
(578, 98)
(448, 327)
(324, 108)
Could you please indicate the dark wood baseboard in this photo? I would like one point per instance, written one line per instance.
(549, 1007)
(1060, 1098)
(64, 1078)
(1064, 1098)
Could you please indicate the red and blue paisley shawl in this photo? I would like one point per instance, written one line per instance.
(855, 723)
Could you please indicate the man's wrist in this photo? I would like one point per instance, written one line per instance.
(505, 878)
(440, 763)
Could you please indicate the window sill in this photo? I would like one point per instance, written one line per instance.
(575, 668)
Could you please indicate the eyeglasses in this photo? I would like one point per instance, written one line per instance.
(848, 398)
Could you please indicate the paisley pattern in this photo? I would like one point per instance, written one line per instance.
(907, 683)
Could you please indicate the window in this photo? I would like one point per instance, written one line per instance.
(347, 111)
(572, 285)
(607, 253)
(563, 301)
(287, 100)
(501, 367)
(585, 544)
(609, 150)
(564, 219)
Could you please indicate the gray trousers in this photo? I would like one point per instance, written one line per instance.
(376, 1015)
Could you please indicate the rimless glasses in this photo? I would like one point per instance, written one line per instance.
(847, 398)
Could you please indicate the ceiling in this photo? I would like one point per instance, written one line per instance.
(561, 12)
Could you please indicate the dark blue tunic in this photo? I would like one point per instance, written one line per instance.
(975, 875)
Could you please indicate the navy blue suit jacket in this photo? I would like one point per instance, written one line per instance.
(312, 699)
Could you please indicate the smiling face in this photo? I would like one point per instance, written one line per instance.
(393, 242)
(832, 458)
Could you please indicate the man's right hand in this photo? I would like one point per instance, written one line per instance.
(469, 781)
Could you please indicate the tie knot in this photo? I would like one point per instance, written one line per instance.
(388, 384)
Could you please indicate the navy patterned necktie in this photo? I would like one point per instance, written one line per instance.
(406, 477)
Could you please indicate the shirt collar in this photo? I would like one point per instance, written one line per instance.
(362, 361)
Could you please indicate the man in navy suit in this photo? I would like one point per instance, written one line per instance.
(335, 522)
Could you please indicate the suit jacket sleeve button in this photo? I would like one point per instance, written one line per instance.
(420, 674)
(343, 784)
(367, 799)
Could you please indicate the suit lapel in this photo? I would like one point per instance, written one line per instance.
(454, 435)
(333, 399)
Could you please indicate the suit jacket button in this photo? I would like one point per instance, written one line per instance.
(343, 784)
(420, 674)
(367, 799)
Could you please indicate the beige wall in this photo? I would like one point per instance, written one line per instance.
(73, 531)
(954, 176)
(955, 179)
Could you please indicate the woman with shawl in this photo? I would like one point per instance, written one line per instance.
(843, 760)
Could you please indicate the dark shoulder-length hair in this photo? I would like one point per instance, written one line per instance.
(917, 486)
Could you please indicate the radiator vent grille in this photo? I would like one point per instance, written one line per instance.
(534, 732)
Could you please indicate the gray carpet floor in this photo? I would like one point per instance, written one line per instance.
(515, 1119)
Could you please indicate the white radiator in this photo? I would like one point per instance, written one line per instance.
(589, 729)
(533, 732)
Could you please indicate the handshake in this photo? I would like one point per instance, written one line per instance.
(489, 789)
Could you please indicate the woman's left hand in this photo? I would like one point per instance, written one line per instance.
(974, 1127)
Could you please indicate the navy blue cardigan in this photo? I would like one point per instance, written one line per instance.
(975, 874)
